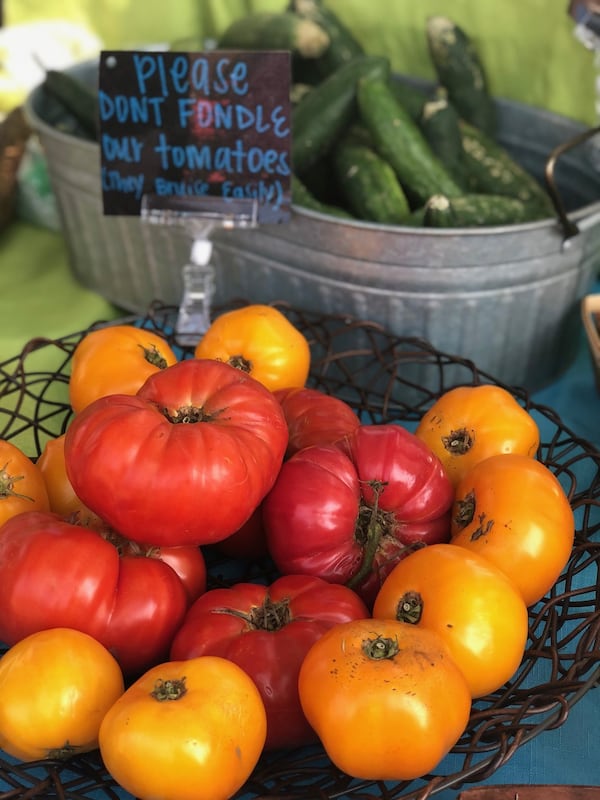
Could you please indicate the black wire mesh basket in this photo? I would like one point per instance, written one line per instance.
(385, 378)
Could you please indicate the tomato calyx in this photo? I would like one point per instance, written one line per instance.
(269, 616)
(187, 415)
(240, 362)
(458, 442)
(410, 608)
(371, 525)
(62, 753)
(380, 648)
(466, 513)
(153, 356)
(7, 484)
(171, 689)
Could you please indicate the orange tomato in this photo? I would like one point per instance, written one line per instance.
(22, 486)
(185, 730)
(385, 698)
(261, 341)
(470, 423)
(55, 688)
(468, 602)
(61, 495)
(116, 359)
(513, 511)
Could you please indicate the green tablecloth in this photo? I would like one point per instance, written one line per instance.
(40, 296)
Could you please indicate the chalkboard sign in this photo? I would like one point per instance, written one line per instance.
(192, 128)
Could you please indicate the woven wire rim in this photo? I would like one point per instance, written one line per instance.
(385, 378)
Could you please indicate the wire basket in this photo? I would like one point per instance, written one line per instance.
(381, 376)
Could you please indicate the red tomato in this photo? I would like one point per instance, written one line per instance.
(349, 515)
(189, 565)
(185, 461)
(249, 542)
(57, 575)
(267, 630)
(314, 417)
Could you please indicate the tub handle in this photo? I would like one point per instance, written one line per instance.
(569, 227)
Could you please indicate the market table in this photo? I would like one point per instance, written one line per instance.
(41, 298)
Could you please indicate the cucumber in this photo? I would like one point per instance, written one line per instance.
(439, 122)
(301, 196)
(321, 116)
(399, 141)
(369, 183)
(410, 97)
(460, 70)
(343, 45)
(490, 169)
(475, 210)
(77, 99)
(275, 31)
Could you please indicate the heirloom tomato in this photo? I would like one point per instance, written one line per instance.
(61, 495)
(185, 730)
(55, 687)
(466, 601)
(267, 631)
(385, 698)
(348, 514)
(116, 359)
(470, 423)
(513, 511)
(314, 417)
(56, 574)
(22, 486)
(186, 561)
(248, 542)
(185, 461)
(260, 341)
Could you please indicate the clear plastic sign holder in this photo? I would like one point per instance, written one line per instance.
(198, 216)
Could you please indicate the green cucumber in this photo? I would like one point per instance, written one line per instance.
(79, 100)
(399, 141)
(460, 70)
(325, 112)
(369, 183)
(439, 122)
(301, 196)
(410, 97)
(475, 210)
(490, 169)
(343, 45)
(275, 31)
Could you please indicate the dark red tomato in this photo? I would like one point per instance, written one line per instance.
(249, 542)
(55, 574)
(186, 461)
(314, 417)
(267, 630)
(349, 513)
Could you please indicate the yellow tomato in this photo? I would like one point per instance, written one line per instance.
(55, 688)
(22, 486)
(185, 730)
(261, 341)
(470, 423)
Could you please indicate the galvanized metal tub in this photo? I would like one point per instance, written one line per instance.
(506, 297)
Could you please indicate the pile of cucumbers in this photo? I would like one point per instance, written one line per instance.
(369, 145)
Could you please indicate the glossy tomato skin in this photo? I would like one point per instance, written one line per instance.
(55, 687)
(385, 698)
(513, 511)
(61, 495)
(348, 513)
(267, 631)
(186, 461)
(314, 417)
(56, 574)
(470, 423)
(115, 359)
(261, 341)
(189, 565)
(188, 730)
(468, 603)
(22, 486)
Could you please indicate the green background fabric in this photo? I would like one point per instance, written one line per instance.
(528, 46)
